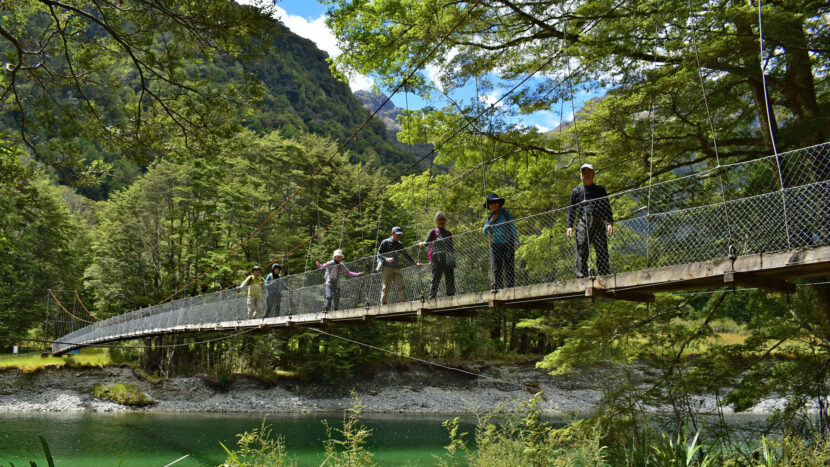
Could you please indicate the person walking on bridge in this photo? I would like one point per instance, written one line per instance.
(334, 269)
(441, 254)
(591, 210)
(390, 265)
(274, 285)
(504, 241)
(254, 283)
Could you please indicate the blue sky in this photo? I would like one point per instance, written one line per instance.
(306, 18)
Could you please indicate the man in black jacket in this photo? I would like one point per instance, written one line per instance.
(592, 211)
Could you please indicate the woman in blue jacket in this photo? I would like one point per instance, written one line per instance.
(504, 240)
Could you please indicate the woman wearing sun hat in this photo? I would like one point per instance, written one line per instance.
(504, 240)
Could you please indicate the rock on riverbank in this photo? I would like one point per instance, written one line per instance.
(413, 389)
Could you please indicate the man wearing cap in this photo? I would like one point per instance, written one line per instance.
(592, 211)
(504, 240)
(389, 263)
(254, 284)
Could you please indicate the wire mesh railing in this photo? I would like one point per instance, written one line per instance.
(688, 217)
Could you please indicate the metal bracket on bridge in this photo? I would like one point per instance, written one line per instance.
(619, 294)
(526, 305)
(446, 312)
(761, 282)
(399, 318)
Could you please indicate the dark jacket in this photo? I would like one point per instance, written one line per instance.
(440, 242)
(392, 249)
(275, 285)
(590, 201)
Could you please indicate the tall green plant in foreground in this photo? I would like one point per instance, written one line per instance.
(521, 437)
(350, 450)
(257, 448)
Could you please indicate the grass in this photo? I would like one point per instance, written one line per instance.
(124, 394)
(31, 362)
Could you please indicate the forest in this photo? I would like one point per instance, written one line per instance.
(142, 142)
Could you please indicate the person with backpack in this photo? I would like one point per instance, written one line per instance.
(441, 254)
(591, 210)
(254, 283)
(389, 265)
(334, 269)
(504, 240)
(274, 285)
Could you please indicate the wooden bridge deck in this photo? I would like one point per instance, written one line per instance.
(771, 271)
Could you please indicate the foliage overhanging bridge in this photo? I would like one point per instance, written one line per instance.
(759, 223)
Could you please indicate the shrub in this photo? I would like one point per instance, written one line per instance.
(124, 394)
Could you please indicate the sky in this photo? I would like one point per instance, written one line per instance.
(306, 18)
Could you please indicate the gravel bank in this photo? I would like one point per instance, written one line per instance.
(395, 389)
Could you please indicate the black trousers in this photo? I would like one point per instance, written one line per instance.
(502, 257)
(439, 268)
(332, 297)
(591, 231)
(272, 305)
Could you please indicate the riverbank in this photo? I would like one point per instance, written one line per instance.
(395, 388)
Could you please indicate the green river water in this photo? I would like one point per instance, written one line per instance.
(95, 439)
(157, 439)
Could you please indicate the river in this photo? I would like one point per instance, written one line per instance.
(101, 439)
(92, 439)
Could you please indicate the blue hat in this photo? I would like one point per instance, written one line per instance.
(493, 198)
(397, 230)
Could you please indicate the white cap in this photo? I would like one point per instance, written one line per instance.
(587, 166)
(338, 253)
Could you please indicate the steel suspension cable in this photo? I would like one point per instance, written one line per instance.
(711, 121)
(58, 302)
(764, 81)
(769, 119)
(579, 156)
(652, 129)
(78, 297)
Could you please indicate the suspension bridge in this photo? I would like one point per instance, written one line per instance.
(759, 223)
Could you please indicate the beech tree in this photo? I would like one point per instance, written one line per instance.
(125, 74)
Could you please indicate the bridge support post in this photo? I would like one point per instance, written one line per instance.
(627, 295)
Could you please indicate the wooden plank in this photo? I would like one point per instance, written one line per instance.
(748, 279)
(627, 295)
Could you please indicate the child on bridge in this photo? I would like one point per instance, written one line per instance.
(254, 283)
(334, 268)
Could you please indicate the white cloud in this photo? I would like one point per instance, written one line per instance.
(542, 128)
(491, 99)
(318, 32)
(432, 73)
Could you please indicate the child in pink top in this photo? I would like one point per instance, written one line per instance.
(334, 269)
